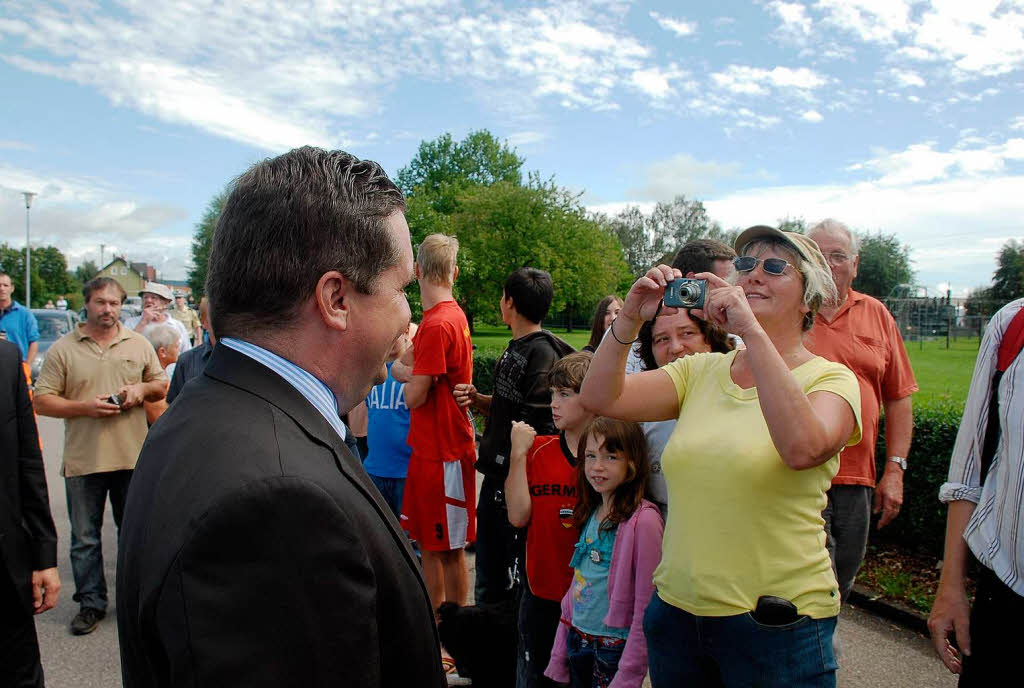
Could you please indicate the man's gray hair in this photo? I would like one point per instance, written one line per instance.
(833, 225)
(161, 334)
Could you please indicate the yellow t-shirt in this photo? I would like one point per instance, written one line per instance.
(742, 524)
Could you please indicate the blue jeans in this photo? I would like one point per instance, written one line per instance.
(593, 662)
(734, 651)
(391, 489)
(87, 498)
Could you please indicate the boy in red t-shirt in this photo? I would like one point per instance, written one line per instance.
(541, 492)
(440, 489)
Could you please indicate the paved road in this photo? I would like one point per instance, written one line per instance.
(877, 653)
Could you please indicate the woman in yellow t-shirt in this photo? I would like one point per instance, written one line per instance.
(745, 589)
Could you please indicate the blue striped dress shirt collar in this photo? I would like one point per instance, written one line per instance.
(314, 390)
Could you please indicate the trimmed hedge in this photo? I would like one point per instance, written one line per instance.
(921, 524)
(484, 362)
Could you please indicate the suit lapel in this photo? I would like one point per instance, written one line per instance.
(238, 370)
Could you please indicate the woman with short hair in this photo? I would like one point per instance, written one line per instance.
(745, 589)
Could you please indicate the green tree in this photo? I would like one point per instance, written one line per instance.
(793, 224)
(202, 238)
(442, 168)
(506, 226)
(641, 247)
(86, 271)
(53, 269)
(12, 261)
(1008, 280)
(884, 263)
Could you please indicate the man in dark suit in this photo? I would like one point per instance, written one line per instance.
(254, 549)
(28, 541)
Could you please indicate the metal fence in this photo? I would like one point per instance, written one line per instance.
(936, 318)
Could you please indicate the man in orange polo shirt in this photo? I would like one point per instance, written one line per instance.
(860, 333)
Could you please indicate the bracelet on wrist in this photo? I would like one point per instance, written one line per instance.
(615, 336)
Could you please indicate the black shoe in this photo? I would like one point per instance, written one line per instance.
(85, 621)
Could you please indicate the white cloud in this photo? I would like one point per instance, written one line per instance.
(78, 214)
(921, 162)
(679, 27)
(742, 79)
(656, 82)
(276, 76)
(812, 116)
(681, 174)
(870, 20)
(796, 23)
(1017, 124)
(975, 39)
(905, 78)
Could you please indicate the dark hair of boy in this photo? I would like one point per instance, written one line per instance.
(568, 372)
(717, 338)
(700, 255)
(531, 292)
(597, 327)
(625, 438)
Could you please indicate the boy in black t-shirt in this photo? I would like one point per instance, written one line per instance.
(520, 393)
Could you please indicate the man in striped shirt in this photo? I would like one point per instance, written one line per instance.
(986, 518)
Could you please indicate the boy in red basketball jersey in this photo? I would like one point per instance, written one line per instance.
(440, 491)
(541, 492)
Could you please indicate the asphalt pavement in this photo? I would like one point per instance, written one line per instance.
(875, 652)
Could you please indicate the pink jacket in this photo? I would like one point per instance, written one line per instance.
(636, 554)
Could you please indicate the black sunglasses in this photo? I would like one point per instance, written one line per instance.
(773, 266)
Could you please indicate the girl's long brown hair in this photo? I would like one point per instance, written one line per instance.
(626, 439)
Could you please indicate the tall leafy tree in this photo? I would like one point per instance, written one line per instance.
(202, 238)
(884, 263)
(86, 271)
(1008, 280)
(444, 167)
(641, 246)
(506, 226)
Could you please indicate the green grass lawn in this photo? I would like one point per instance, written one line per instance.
(496, 337)
(941, 373)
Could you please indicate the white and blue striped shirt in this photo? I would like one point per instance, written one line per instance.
(315, 391)
(995, 532)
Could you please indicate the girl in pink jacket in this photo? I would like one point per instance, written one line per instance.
(600, 642)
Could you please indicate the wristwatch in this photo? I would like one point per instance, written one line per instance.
(899, 461)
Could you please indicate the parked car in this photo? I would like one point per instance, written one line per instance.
(53, 324)
(132, 306)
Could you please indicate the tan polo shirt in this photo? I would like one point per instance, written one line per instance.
(188, 318)
(77, 368)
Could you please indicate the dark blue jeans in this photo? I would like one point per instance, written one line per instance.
(87, 499)
(392, 490)
(593, 662)
(734, 651)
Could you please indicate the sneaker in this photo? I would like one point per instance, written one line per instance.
(86, 619)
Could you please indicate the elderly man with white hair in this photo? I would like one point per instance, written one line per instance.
(155, 299)
(859, 332)
(166, 342)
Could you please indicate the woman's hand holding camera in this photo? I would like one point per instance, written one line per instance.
(726, 305)
(644, 297)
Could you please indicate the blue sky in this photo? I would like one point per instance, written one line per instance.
(893, 115)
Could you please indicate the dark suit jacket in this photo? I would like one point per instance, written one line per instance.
(28, 540)
(255, 551)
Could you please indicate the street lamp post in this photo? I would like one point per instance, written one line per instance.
(28, 251)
